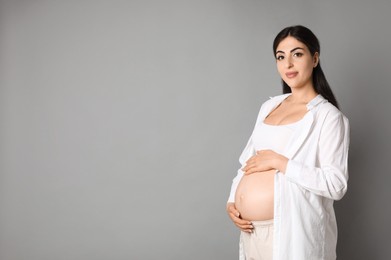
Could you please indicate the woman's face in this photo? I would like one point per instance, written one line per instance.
(295, 63)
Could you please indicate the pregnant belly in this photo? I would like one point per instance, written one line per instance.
(254, 197)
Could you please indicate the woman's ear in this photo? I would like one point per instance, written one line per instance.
(316, 59)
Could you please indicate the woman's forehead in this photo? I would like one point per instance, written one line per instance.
(290, 43)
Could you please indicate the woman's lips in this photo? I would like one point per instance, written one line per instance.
(290, 75)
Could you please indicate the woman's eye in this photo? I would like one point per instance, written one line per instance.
(280, 57)
(298, 54)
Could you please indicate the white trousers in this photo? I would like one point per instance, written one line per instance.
(257, 245)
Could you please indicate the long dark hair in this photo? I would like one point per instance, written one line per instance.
(307, 37)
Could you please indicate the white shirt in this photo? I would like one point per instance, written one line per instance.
(305, 226)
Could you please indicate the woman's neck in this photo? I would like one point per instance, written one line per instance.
(302, 95)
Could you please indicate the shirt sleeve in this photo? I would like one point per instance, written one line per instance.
(330, 178)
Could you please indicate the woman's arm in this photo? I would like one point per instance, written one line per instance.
(330, 178)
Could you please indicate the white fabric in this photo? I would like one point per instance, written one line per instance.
(273, 137)
(304, 220)
(258, 245)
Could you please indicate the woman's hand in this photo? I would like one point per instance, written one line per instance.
(234, 214)
(265, 160)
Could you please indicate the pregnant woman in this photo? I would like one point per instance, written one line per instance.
(295, 163)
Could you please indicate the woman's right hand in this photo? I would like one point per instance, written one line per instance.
(234, 214)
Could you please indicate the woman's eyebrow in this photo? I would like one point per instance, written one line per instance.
(297, 48)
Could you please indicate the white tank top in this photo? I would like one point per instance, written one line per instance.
(273, 137)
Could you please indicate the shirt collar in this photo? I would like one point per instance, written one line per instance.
(316, 101)
(310, 105)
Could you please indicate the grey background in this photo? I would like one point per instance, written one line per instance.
(121, 122)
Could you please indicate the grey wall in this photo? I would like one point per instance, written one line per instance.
(121, 122)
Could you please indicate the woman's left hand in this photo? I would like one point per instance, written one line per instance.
(265, 160)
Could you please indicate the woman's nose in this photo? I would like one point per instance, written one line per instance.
(289, 63)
